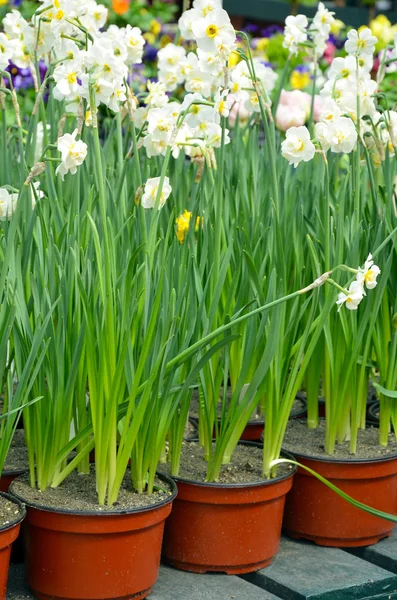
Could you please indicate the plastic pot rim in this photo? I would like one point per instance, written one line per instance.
(96, 513)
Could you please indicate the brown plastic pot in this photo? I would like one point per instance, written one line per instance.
(229, 528)
(83, 555)
(8, 534)
(314, 512)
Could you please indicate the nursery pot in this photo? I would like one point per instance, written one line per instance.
(314, 512)
(7, 477)
(83, 555)
(229, 528)
(8, 534)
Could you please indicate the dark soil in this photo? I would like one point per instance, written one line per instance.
(78, 493)
(301, 440)
(298, 406)
(17, 457)
(245, 467)
(9, 512)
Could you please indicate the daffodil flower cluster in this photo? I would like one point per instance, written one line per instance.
(298, 33)
(366, 277)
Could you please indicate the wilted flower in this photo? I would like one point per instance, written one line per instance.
(297, 146)
(8, 203)
(151, 190)
(353, 298)
(73, 153)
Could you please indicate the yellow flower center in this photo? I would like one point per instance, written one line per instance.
(212, 31)
(57, 3)
(195, 109)
(60, 14)
(72, 78)
(221, 106)
(345, 73)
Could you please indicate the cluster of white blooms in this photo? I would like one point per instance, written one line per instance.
(8, 202)
(298, 34)
(193, 125)
(99, 61)
(241, 86)
(203, 71)
(365, 278)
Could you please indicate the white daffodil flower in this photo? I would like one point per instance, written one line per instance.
(66, 76)
(368, 274)
(297, 146)
(342, 135)
(73, 153)
(353, 298)
(151, 190)
(134, 42)
(323, 20)
(214, 31)
(360, 43)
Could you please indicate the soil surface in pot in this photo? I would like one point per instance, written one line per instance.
(297, 407)
(78, 493)
(245, 467)
(301, 440)
(17, 457)
(9, 512)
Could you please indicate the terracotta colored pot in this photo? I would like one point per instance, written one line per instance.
(17, 550)
(314, 512)
(225, 527)
(8, 534)
(90, 555)
(253, 432)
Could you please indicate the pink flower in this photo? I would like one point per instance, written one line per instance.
(317, 108)
(296, 99)
(329, 52)
(290, 116)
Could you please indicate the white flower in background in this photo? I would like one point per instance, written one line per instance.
(214, 32)
(297, 146)
(321, 130)
(251, 103)
(210, 62)
(156, 97)
(36, 192)
(295, 32)
(185, 23)
(73, 153)
(199, 81)
(6, 51)
(140, 116)
(213, 135)
(368, 274)
(118, 97)
(342, 93)
(38, 151)
(367, 89)
(203, 7)
(342, 135)
(353, 298)
(8, 203)
(170, 57)
(101, 61)
(15, 26)
(66, 76)
(151, 191)
(329, 111)
(134, 42)
(222, 103)
(323, 20)
(116, 36)
(95, 16)
(360, 43)
(198, 112)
